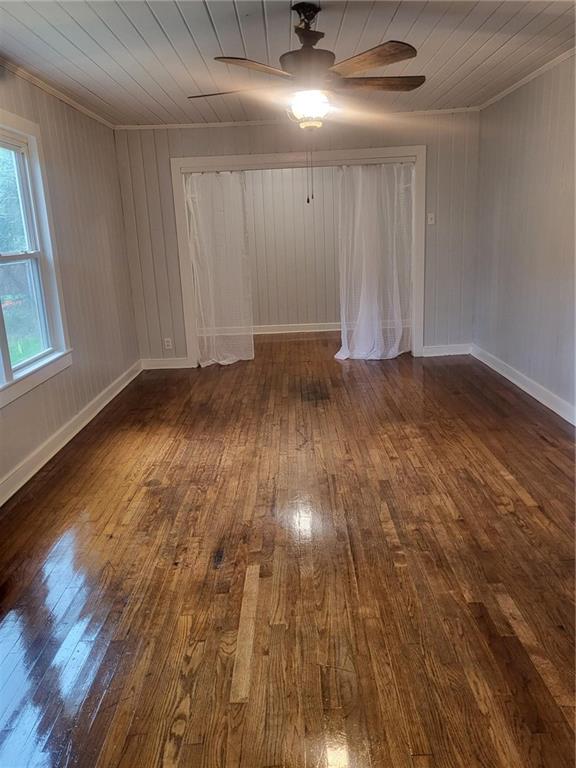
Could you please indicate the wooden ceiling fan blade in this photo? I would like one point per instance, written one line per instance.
(407, 83)
(267, 88)
(385, 53)
(253, 65)
(219, 93)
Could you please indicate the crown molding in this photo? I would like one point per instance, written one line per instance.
(25, 75)
(245, 123)
(540, 71)
(176, 126)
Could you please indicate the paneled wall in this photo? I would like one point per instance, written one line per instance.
(452, 165)
(82, 179)
(525, 265)
(292, 246)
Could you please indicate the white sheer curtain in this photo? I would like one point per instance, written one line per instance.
(375, 204)
(216, 205)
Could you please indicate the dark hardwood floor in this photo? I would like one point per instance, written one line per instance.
(296, 562)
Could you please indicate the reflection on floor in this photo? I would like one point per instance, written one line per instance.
(295, 562)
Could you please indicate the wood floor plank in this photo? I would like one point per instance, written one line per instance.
(298, 562)
(245, 637)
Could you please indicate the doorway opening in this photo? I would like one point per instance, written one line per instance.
(282, 265)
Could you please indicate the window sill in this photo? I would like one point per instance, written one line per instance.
(34, 374)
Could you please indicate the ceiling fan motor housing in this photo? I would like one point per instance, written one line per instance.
(309, 65)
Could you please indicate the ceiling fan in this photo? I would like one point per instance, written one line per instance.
(312, 71)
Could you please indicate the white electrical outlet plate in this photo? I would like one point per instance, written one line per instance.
(167, 343)
(431, 218)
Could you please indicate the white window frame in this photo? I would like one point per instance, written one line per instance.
(23, 136)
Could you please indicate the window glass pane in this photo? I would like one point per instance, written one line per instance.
(23, 310)
(13, 237)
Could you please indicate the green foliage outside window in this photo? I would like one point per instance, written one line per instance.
(19, 292)
(12, 229)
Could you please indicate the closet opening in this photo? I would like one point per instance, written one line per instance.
(256, 258)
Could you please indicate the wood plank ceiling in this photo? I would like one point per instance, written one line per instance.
(136, 62)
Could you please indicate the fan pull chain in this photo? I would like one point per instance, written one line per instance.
(309, 176)
(312, 167)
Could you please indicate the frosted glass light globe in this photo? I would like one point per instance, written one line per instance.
(309, 107)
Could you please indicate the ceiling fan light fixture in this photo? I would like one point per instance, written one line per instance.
(308, 66)
(309, 108)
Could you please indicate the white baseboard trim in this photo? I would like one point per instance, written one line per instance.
(157, 363)
(262, 330)
(442, 350)
(562, 407)
(20, 475)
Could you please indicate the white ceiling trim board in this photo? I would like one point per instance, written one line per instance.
(164, 126)
(244, 123)
(530, 77)
(25, 75)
